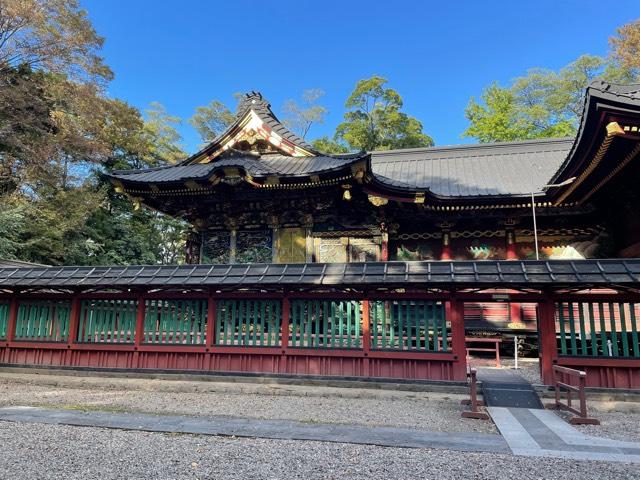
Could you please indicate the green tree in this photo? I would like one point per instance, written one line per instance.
(374, 120)
(300, 117)
(544, 103)
(625, 46)
(211, 120)
(53, 35)
(328, 145)
(164, 140)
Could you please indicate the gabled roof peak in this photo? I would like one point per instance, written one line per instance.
(253, 99)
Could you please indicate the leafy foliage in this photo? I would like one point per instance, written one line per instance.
(301, 117)
(211, 120)
(544, 103)
(327, 145)
(374, 120)
(626, 45)
(53, 35)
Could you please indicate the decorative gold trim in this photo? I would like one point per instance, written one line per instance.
(377, 201)
(613, 130)
(613, 173)
(419, 198)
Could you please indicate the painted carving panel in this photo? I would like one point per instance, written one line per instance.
(492, 248)
(254, 246)
(331, 250)
(364, 249)
(411, 250)
(216, 247)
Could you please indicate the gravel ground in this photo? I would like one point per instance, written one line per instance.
(54, 451)
(615, 425)
(528, 368)
(429, 411)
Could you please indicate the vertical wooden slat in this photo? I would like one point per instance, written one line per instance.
(572, 329)
(634, 329)
(603, 329)
(563, 336)
(284, 324)
(212, 330)
(614, 330)
(623, 330)
(583, 332)
(592, 326)
(366, 323)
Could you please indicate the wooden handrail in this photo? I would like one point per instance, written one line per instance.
(561, 382)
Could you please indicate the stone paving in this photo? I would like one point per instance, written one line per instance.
(254, 428)
(541, 433)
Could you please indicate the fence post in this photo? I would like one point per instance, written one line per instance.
(74, 321)
(284, 332)
(137, 340)
(366, 337)
(12, 320)
(547, 340)
(456, 310)
(212, 311)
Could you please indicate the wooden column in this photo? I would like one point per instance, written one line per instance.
(384, 242)
(456, 312)
(515, 314)
(446, 245)
(511, 245)
(366, 337)
(547, 339)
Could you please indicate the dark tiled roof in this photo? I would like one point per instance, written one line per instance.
(506, 168)
(495, 273)
(630, 92)
(256, 166)
(263, 109)
(256, 102)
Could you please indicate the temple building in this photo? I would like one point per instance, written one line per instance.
(372, 264)
(261, 194)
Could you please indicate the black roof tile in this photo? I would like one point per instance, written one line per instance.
(395, 274)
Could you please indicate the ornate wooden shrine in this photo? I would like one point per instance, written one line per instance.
(259, 193)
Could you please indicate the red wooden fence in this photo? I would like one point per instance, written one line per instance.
(235, 333)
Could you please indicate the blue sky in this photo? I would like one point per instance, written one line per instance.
(436, 54)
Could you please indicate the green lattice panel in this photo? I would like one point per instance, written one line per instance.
(252, 323)
(600, 329)
(4, 319)
(325, 324)
(43, 320)
(175, 322)
(107, 321)
(408, 325)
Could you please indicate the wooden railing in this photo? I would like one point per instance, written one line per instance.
(495, 349)
(473, 398)
(562, 378)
